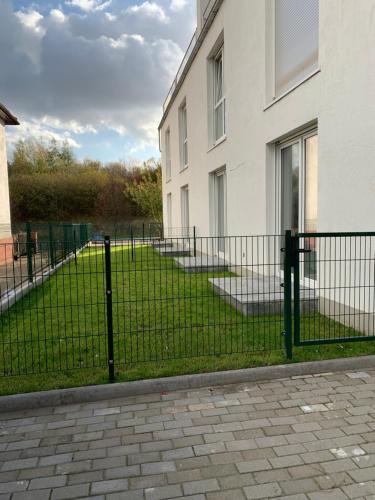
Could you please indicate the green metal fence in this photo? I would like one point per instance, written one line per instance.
(44, 245)
(149, 300)
(122, 303)
(122, 231)
(335, 272)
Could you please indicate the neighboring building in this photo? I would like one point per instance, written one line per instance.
(270, 122)
(6, 118)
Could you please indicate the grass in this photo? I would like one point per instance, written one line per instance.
(166, 322)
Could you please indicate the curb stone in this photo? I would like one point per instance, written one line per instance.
(94, 393)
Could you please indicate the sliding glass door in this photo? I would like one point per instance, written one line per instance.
(297, 165)
(185, 222)
(219, 209)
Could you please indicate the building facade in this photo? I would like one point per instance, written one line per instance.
(6, 118)
(270, 123)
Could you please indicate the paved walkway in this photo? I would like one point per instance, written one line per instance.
(302, 438)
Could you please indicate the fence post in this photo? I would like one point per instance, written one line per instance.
(296, 290)
(132, 242)
(51, 249)
(288, 258)
(195, 241)
(29, 252)
(75, 246)
(108, 280)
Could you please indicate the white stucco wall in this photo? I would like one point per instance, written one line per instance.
(340, 99)
(5, 230)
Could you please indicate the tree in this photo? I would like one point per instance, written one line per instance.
(47, 183)
(32, 156)
(147, 191)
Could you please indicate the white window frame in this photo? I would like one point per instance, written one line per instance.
(183, 127)
(169, 214)
(300, 140)
(221, 172)
(168, 162)
(222, 101)
(185, 210)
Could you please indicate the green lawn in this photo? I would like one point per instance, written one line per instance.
(166, 322)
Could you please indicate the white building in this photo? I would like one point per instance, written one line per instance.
(270, 123)
(6, 118)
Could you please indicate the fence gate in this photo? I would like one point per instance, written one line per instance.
(329, 283)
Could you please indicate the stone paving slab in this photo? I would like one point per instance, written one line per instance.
(300, 438)
(260, 295)
(202, 264)
(173, 251)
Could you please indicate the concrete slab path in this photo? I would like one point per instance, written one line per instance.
(300, 438)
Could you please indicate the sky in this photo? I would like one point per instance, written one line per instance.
(92, 72)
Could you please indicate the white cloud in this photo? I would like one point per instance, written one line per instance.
(89, 5)
(149, 9)
(71, 126)
(91, 73)
(177, 5)
(36, 130)
(123, 41)
(110, 17)
(32, 20)
(57, 15)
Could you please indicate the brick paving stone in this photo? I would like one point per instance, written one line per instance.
(241, 445)
(40, 483)
(32, 495)
(12, 486)
(335, 494)
(215, 471)
(203, 486)
(119, 472)
(186, 475)
(254, 466)
(338, 479)
(25, 463)
(70, 492)
(163, 492)
(178, 453)
(300, 438)
(227, 495)
(295, 486)
(157, 467)
(135, 483)
(269, 490)
(110, 486)
(56, 459)
(126, 495)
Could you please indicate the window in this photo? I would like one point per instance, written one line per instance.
(168, 168)
(296, 42)
(219, 208)
(183, 136)
(219, 99)
(297, 181)
(169, 214)
(185, 211)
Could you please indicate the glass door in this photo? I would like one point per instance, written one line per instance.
(298, 186)
(310, 216)
(290, 180)
(185, 212)
(219, 216)
(169, 214)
